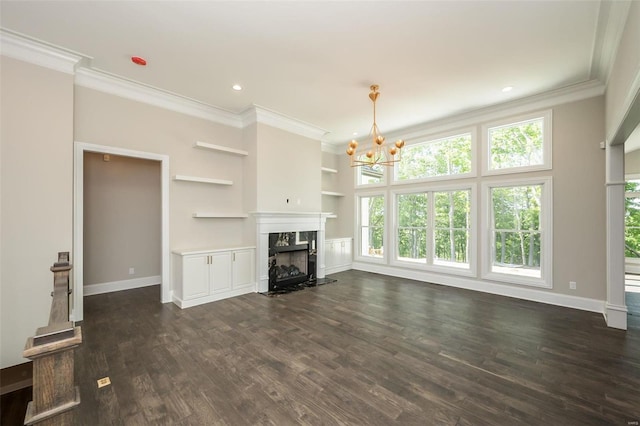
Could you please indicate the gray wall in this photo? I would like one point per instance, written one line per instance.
(122, 218)
(37, 197)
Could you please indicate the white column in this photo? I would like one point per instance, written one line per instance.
(616, 309)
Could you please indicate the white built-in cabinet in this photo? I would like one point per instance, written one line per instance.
(203, 276)
(338, 255)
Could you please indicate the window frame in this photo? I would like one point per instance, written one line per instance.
(357, 255)
(434, 137)
(547, 142)
(429, 264)
(545, 228)
(357, 173)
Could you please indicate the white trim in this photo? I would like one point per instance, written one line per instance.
(259, 114)
(332, 148)
(336, 269)
(78, 218)
(622, 127)
(534, 295)
(357, 252)
(129, 89)
(616, 316)
(547, 142)
(546, 232)
(612, 17)
(109, 287)
(22, 48)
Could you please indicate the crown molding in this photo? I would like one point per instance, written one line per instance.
(612, 17)
(17, 46)
(114, 85)
(331, 148)
(259, 114)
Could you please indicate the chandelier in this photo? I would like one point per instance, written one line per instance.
(378, 153)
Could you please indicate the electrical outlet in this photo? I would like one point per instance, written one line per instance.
(132, 271)
(572, 285)
(105, 381)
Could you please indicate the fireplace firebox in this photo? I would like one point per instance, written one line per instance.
(292, 259)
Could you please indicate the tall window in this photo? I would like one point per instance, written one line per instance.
(370, 174)
(632, 223)
(434, 228)
(412, 227)
(372, 226)
(520, 232)
(448, 156)
(452, 228)
(520, 145)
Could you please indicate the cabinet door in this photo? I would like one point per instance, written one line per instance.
(346, 256)
(195, 279)
(330, 259)
(243, 268)
(220, 269)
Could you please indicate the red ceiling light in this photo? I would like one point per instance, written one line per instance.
(139, 61)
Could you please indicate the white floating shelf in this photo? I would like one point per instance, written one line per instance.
(202, 180)
(213, 147)
(328, 170)
(220, 215)
(332, 216)
(334, 194)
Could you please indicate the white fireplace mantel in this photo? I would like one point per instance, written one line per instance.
(274, 222)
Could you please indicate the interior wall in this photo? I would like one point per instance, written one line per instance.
(632, 163)
(37, 198)
(579, 200)
(122, 218)
(110, 120)
(288, 168)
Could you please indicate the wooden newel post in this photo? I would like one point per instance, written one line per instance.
(51, 350)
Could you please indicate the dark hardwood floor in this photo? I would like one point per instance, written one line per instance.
(366, 350)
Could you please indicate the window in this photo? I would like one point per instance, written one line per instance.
(412, 227)
(521, 145)
(433, 228)
(632, 225)
(452, 230)
(370, 174)
(520, 232)
(450, 156)
(372, 226)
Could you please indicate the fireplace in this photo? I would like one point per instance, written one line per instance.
(292, 259)
(293, 229)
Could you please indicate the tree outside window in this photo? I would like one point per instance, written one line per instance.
(516, 145)
(452, 230)
(412, 227)
(372, 226)
(442, 157)
(632, 220)
(516, 231)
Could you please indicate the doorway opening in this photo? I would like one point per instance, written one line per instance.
(80, 148)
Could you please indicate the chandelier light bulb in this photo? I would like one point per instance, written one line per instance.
(393, 150)
(353, 144)
(350, 151)
(399, 143)
(369, 154)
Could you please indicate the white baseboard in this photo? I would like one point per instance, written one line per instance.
(525, 293)
(335, 269)
(616, 316)
(93, 289)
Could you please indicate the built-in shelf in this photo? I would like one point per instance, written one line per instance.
(220, 215)
(213, 147)
(202, 180)
(328, 170)
(332, 216)
(333, 194)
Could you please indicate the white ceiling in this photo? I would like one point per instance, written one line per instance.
(314, 61)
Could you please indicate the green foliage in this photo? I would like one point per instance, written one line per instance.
(412, 225)
(442, 157)
(632, 219)
(372, 222)
(516, 145)
(452, 212)
(516, 225)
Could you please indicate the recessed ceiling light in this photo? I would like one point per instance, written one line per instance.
(139, 61)
(507, 89)
(355, 133)
(236, 87)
